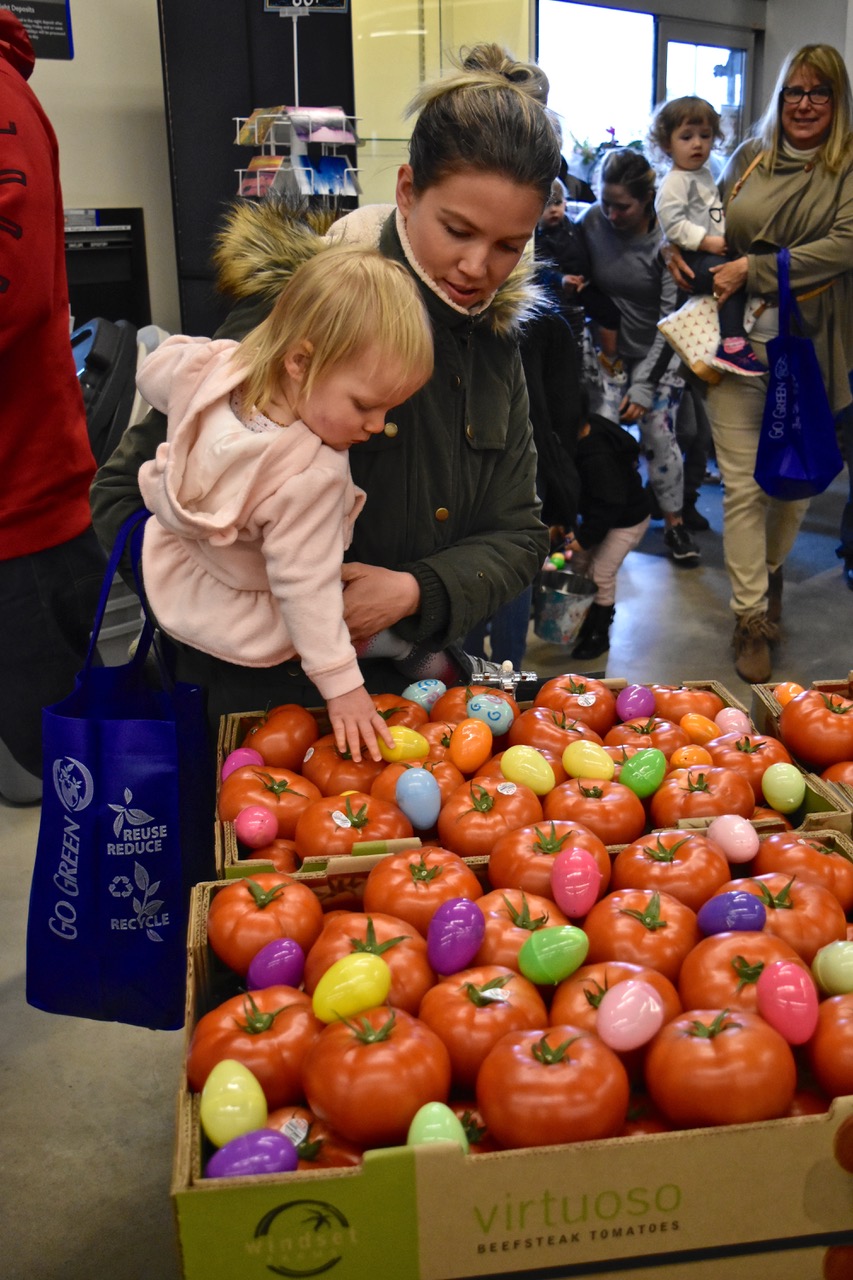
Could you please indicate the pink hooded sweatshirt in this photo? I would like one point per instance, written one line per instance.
(243, 560)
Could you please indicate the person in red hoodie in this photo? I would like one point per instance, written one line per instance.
(51, 564)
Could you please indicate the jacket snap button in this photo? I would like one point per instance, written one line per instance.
(442, 513)
(390, 429)
(469, 431)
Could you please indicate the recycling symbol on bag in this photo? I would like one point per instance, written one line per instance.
(121, 887)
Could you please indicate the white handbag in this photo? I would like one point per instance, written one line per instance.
(693, 331)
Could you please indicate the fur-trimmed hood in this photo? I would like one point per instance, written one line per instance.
(262, 243)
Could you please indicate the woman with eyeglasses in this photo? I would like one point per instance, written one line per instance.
(791, 185)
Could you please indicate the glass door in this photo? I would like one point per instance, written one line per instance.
(713, 62)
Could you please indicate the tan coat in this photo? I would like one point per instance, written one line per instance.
(801, 206)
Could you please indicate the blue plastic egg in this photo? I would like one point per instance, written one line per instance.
(425, 693)
(492, 710)
(419, 796)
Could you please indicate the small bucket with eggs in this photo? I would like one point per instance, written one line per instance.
(560, 604)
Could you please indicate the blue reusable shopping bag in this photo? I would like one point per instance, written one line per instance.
(126, 831)
(798, 454)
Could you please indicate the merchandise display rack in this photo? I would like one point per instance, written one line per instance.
(300, 153)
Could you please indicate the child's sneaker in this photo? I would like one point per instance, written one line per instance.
(735, 355)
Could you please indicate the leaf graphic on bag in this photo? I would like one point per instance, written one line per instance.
(141, 876)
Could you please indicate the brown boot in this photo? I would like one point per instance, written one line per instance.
(774, 595)
(754, 634)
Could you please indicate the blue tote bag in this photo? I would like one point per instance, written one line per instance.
(126, 831)
(798, 454)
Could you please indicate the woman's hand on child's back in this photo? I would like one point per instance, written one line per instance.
(354, 719)
(713, 244)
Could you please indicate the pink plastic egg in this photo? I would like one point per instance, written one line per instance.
(787, 999)
(237, 759)
(634, 700)
(732, 720)
(255, 826)
(575, 881)
(735, 836)
(629, 1014)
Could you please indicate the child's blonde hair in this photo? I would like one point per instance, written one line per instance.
(342, 301)
(671, 115)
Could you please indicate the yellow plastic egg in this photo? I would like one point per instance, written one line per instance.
(584, 759)
(529, 767)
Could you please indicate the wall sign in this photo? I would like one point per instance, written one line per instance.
(47, 23)
(294, 8)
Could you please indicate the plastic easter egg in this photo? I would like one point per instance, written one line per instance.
(455, 935)
(832, 968)
(529, 767)
(644, 771)
(419, 796)
(350, 985)
(255, 826)
(232, 1102)
(575, 881)
(435, 1122)
(783, 787)
(585, 759)
(629, 1014)
(494, 711)
(735, 836)
(634, 700)
(699, 729)
(787, 998)
(261, 1151)
(733, 720)
(736, 911)
(279, 963)
(549, 955)
(238, 758)
(425, 693)
(557, 560)
(786, 690)
(408, 744)
(471, 744)
(690, 756)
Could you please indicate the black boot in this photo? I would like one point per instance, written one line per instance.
(594, 636)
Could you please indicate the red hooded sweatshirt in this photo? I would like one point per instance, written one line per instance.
(46, 464)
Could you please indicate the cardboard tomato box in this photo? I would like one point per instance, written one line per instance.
(431, 1213)
(765, 714)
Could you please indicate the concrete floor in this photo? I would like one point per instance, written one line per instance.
(86, 1135)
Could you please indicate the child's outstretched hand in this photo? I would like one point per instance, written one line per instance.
(354, 719)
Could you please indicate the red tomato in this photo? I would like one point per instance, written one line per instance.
(840, 772)
(453, 705)
(369, 1078)
(319, 1147)
(700, 793)
(576, 999)
(549, 728)
(648, 731)
(267, 1031)
(522, 859)
(817, 728)
(511, 917)
(395, 709)
(281, 853)
(476, 1131)
(413, 885)
(830, 1050)
(674, 701)
(562, 1085)
(749, 754)
(810, 858)
(471, 1010)
(437, 734)
(285, 793)
(582, 698)
(685, 864)
(806, 915)
(710, 1067)
(722, 970)
(470, 745)
(248, 913)
(643, 927)
(284, 735)
(611, 810)
(399, 944)
(333, 824)
(334, 772)
(643, 1118)
(483, 809)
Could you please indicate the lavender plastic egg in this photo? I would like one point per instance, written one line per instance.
(278, 963)
(634, 700)
(261, 1151)
(735, 911)
(455, 934)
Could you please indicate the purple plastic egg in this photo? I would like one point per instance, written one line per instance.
(260, 1151)
(455, 934)
(278, 963)
(634, 700)
(736, 911)
(237, 759)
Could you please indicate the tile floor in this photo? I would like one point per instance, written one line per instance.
(88, 1119)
